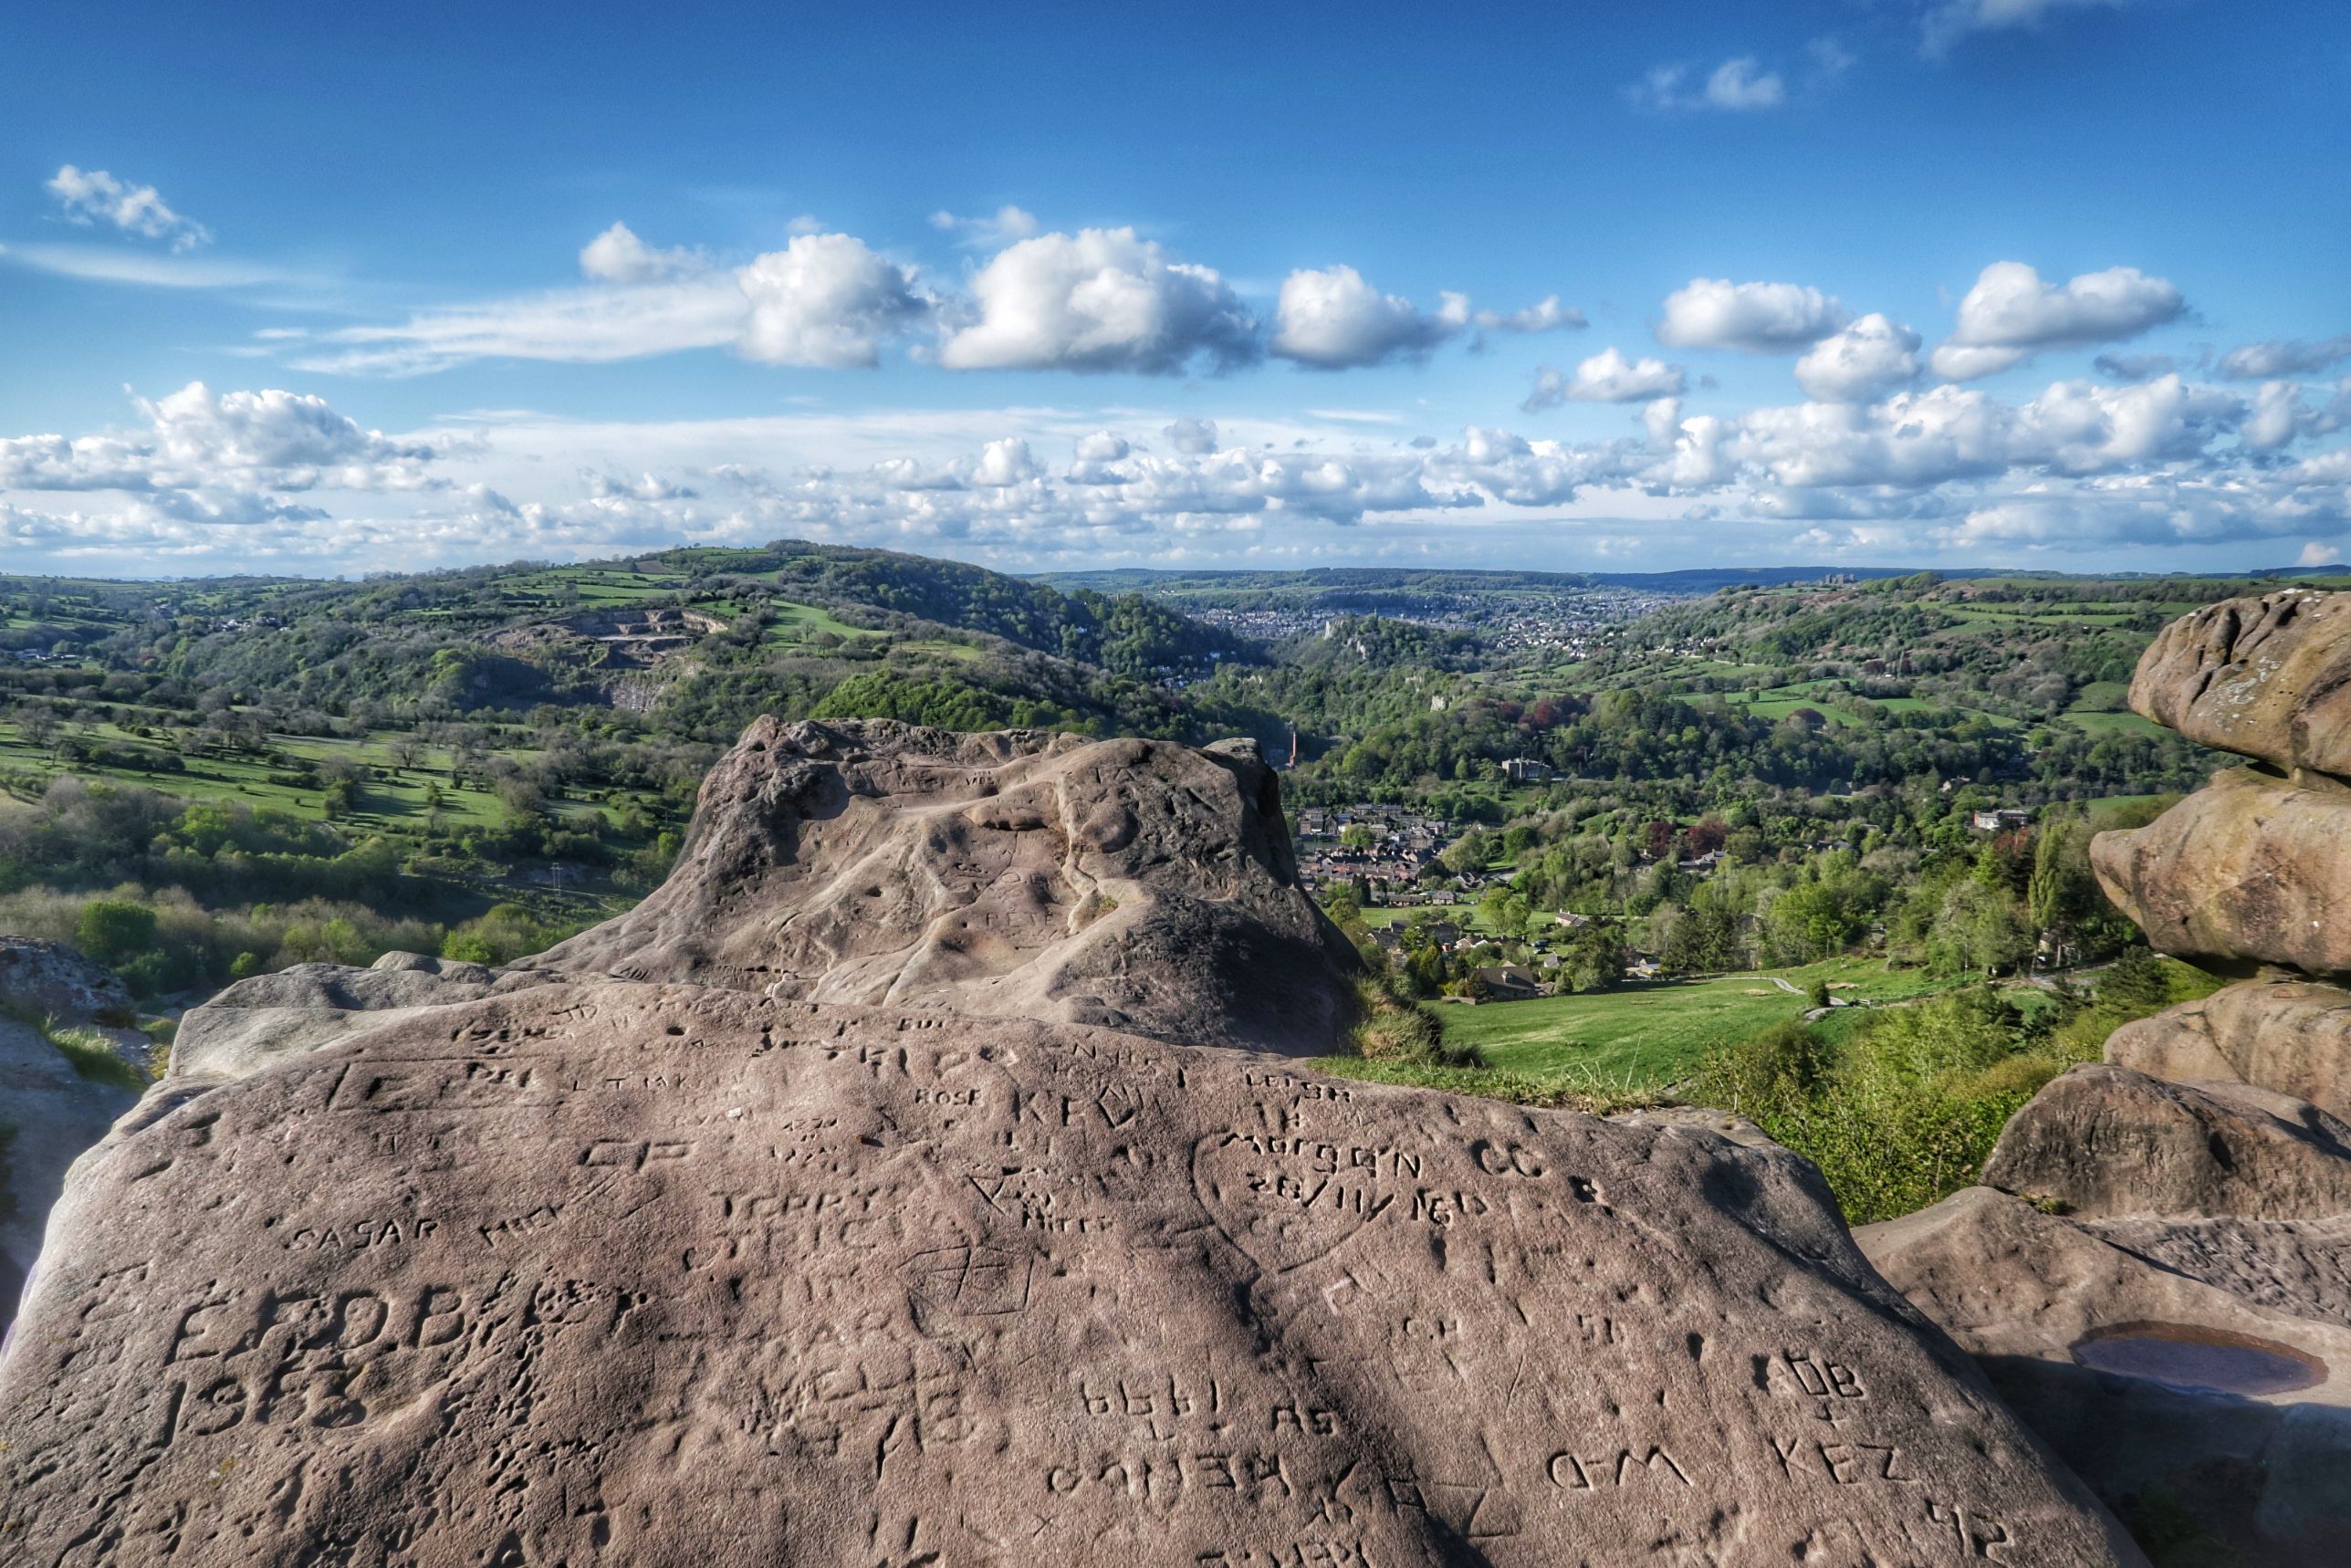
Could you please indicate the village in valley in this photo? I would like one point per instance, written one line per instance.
(1420, 881)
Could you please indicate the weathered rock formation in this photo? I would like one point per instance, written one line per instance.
(2245, 871)
(49, 980)
(255, 1021)
(2295, 1036)
(2157, 1272)
(724, 1268)
(2267, 678)
(49, 1113)
(1131, 883)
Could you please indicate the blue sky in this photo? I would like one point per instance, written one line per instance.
(2055, 283)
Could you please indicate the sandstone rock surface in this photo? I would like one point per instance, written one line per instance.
(602, 1272)
(2151, 1357)
(2178, 1323)
(257, 1021)
(2247, 871)
(2267, 677)
(2108, 1142)
(2293, 1036)
(1135, 884)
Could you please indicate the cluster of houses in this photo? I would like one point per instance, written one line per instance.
(1403, 844)
(1538, 976)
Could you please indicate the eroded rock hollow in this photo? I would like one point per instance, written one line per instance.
(805, 1247)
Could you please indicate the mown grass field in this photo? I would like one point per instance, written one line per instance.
(1635, 1040)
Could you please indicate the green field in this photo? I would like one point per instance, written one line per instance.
(396, 799)
(793, 622)
(1637, 1039)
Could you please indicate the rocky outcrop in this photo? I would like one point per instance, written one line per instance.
(2172, 1307)
(2245, 871)
(623, 1272)
(2292, 1036)
(2104, 1143)
(49, 1113)
(727, 1267)
(2267, 677)
(258, 1020)
(1136, 884)
(48, 979)
(2213, 1412)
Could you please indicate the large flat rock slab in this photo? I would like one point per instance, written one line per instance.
(1135, 885)
(2266, 676)
(658, 1276)
(2248, 870)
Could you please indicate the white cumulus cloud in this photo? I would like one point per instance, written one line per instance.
(2012, 313)
(1757, 318)
(1607, 376)
(618, 255)
(1547, 315)
(825, 300)
(1101, 299)
(1861, 361)
(1332, 318)
(204, 459)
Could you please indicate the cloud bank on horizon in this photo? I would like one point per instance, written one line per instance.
(1158, 387)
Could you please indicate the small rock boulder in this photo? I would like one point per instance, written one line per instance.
(258, 1020)
(2292, 1036)
(2267, 677)
(2249, 870)
(49, 980)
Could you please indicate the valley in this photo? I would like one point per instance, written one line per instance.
(1678, 814)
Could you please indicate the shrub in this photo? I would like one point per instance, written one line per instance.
(1392, 1027)
(115, 930)
(1906, 1110)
